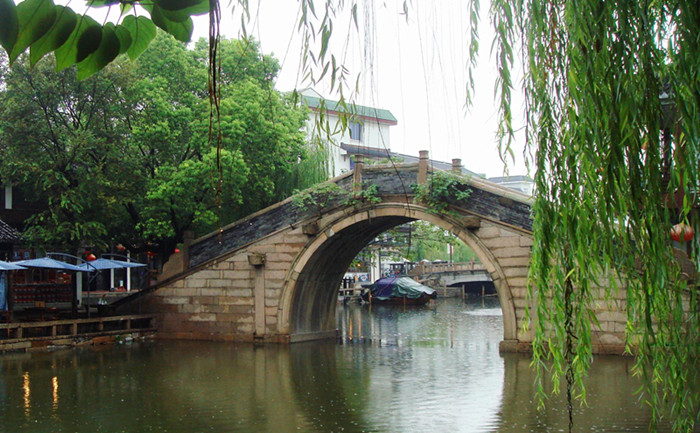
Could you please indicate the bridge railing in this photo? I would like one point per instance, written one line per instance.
(434, 268)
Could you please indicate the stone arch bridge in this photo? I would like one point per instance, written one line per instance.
(274, 276)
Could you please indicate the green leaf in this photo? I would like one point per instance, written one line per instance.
(35, 19)
(178, 5)
(65, 23)
(67, 54)
(100, 3)
(107, 51)
(182, 31)
(9, 24)
(199, 8)
(142, 32)
(124, 38)
(89, 42)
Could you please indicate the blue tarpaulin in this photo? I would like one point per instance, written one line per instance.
(3, 290)
(398, 287)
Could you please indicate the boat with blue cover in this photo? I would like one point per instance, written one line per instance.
(399, 290)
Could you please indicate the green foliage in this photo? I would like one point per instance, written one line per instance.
(612, 101)
(319, 197)
(368, 194)
(441, 189)
(45, 27)
(123, 156)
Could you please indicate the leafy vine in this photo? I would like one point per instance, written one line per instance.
(440, 190)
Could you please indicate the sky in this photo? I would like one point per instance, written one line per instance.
(411, 64)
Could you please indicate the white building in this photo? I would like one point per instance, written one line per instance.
(367, 132)
(523, 184)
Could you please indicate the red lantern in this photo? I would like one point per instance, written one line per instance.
(682, 231)
(121, 247)
(177, 250)
(90, 257)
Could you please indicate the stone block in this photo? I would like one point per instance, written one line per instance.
(520, 282)
(271, 293)
(275, 274)
(241, 309)
(272, 302)
(232, 300)
(526, 241)
(176, 300)
(244, 329)
(515, 262)
(188, 292)
(195, 283)
(219, 284)
(504, 242)
(509, 252)
(208, 274)
(236, 274)
(516, 271)
(212, 292)
(277, 266)
(203, 317)
(239, 293)
(486, 232)
(287, 248)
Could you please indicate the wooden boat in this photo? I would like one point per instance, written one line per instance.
(399, 291)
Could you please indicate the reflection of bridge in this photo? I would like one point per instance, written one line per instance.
(273, 276)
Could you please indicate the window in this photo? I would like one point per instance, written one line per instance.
(6, 197)
(355, 131)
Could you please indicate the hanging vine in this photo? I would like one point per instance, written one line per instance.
(613, 92)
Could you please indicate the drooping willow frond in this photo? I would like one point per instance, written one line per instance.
(613, 96)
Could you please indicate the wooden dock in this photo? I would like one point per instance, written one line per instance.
(23, 336)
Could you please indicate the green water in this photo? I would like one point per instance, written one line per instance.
(433, 369)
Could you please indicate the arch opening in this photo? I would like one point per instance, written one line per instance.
(310, 300)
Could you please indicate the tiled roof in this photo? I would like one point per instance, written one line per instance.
(351, 109)
(7, 233)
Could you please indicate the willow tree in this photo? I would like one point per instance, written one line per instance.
(612, 100)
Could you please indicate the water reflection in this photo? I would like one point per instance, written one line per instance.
(432, 369)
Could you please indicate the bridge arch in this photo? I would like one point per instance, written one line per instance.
(308, 302)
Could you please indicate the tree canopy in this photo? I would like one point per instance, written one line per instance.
(124, 156)
(612, 93)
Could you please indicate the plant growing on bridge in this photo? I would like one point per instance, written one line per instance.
(368, 194)
(441, 189)
(319, 197)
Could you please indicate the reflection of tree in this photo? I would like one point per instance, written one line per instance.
(610, 394)
(334, 398)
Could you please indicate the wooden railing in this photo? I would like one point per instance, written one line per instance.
(71, 328)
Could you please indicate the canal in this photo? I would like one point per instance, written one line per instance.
(394, 369)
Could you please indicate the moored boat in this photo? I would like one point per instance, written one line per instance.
(399, 290)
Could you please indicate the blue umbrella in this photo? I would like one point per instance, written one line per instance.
(8, 266)
(124, 264)
(102, 264)
(49, 263)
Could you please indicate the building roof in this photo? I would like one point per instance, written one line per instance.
(361, 111)
(8, 234)
(353, 149)
(504, 179)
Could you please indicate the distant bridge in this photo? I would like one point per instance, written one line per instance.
(453, 274)
(273, 276)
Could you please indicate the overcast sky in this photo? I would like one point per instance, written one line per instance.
(413, 65)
